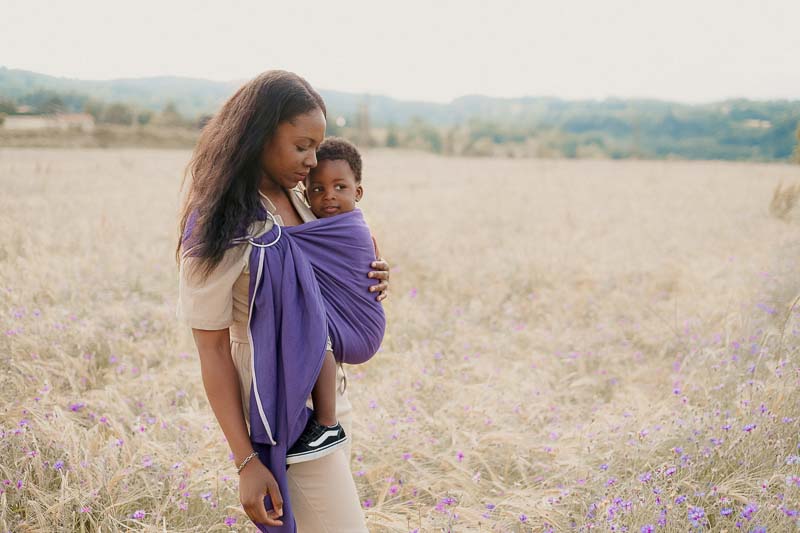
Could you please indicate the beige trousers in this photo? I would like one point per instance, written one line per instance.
(323, 493)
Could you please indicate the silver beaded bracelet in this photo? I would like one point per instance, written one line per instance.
(246, 460)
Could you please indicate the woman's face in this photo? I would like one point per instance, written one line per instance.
(291, 153)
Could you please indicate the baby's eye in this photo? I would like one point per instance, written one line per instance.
(340, 187)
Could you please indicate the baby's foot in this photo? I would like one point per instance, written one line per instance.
(316, 441)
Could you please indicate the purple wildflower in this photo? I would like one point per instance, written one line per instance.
(697, 516)
(523, 518)
(138, 515)
(727, 511)
(662, 517)
(749, 510)
(58, 465)
(229, 521)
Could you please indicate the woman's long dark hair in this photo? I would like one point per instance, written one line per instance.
(225, 168)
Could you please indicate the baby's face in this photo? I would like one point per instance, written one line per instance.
(331, 188)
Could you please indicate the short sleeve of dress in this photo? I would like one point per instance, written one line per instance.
(207, 303)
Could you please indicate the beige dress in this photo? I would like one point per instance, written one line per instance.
(322, 491)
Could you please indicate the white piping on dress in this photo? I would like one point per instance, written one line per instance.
(250, 333)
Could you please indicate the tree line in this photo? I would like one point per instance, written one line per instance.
(48, 102)
(482, 126)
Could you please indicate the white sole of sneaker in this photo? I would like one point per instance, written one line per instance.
(316, 454)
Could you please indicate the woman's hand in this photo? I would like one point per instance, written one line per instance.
(255, 482)
(380, 273)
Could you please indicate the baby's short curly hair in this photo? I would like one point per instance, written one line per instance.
(334, 148)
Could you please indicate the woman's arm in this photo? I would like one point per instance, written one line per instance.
(221, 383)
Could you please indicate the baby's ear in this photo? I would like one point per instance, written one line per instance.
(359, 193)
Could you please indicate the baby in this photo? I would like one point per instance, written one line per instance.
(332, 187)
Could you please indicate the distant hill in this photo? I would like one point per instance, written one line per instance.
(194, 96)
(732, 129)
(191, 96)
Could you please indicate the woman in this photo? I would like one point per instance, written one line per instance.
(253, 153)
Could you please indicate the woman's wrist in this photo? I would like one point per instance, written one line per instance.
(242, 454)
(243, 464)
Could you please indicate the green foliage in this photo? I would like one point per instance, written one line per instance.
(476, 125)
(420, 134)
(7, 106)
(796, 154)
(170, 116)
(96, 108)
(143, 118)
(118, 113)
(44, 101)
(392, 138)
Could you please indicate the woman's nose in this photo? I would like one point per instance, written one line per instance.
(311, 160)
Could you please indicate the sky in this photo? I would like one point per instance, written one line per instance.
(691, 51)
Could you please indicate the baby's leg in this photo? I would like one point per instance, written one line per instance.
(324, 392)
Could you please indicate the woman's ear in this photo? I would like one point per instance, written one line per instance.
(359, 193)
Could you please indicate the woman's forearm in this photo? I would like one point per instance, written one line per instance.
(221, 383)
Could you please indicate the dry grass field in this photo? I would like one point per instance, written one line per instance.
(572, 346)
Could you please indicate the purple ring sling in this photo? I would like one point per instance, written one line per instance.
(306, 282)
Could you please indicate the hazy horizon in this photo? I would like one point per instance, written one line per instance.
(682, 52)
(423, 100)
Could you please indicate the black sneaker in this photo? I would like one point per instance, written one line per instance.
(315, 442)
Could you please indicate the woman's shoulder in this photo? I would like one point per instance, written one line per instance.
(205, 299)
